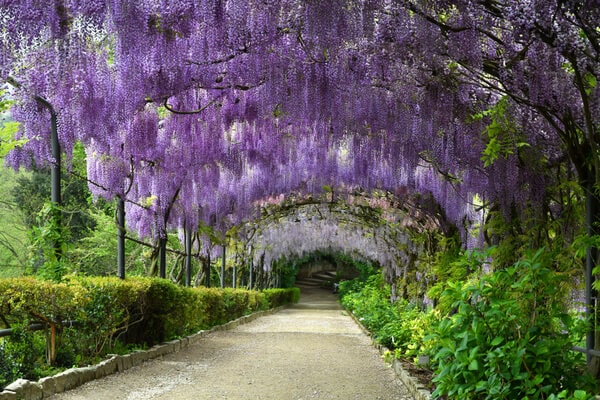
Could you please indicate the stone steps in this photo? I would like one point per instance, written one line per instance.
(321, 279)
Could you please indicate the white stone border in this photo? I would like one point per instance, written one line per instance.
(23, 389)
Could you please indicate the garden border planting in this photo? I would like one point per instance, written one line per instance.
(23, 389)
(416, 389)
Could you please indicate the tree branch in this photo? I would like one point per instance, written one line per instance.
(188, 112)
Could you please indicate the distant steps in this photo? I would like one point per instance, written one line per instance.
(321, 279)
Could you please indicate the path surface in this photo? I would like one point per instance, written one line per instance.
(312, 350)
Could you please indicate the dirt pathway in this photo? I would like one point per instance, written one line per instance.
(312, 350)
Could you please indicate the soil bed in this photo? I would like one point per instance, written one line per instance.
(423, 375)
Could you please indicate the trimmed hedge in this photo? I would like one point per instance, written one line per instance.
(29, 299)
(137, 311)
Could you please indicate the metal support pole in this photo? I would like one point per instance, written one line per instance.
(591, 209)
(250, 276)
(188, 257)
(55, 177)
(162, 242)
(223, 267)
(121, 237)
(234, 278)
(55, 173)
(589, 307)
(207, 268)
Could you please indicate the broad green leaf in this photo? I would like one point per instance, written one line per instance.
(497, 340)
(473, 365)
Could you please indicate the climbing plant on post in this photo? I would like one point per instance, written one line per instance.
(55, 171)
(55, 177)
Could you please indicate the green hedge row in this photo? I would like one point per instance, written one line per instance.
(139, 311)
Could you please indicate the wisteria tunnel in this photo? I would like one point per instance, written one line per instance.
(189, 125)
(394, 131)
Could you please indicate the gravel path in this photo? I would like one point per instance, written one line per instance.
(312, 350)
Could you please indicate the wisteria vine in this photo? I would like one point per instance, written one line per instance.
(194, 111)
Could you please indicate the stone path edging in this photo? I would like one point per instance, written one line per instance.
(23, 389)
(416, 389)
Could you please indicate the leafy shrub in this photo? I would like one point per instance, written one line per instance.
(506, 336)
(113, 307)
(509, 338)
(400, 326)
(212, 307)
(257, 301)
(7, 373)
(369, 302)
(113, 314)
(24, 299)
(235, 301)
(166, 315)
(406, 334)
(20, 355)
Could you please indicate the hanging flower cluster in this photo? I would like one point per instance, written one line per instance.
(192, 111)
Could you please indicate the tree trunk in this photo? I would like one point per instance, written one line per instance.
(154, 256)
(176, 274)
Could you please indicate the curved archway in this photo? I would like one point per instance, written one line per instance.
(392, 231)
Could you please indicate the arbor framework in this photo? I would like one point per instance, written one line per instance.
(197, 113)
